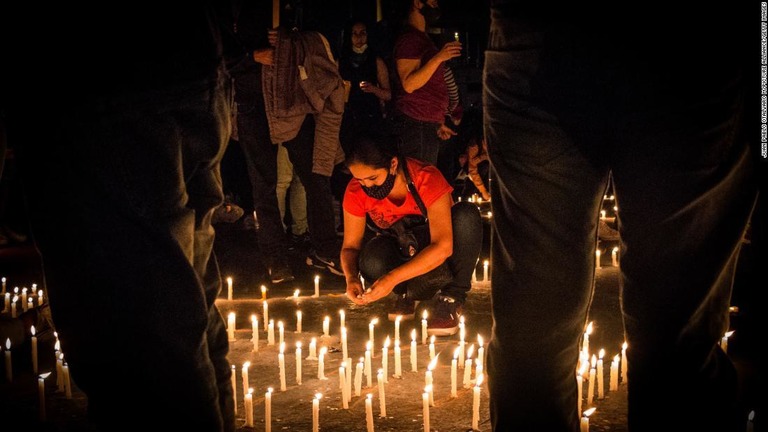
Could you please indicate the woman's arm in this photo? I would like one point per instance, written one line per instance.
(474, 156)
(354, 229)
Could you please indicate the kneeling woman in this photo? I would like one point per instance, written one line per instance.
(431, 262)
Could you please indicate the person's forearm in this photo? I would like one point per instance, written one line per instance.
(427, 259)
(349, 257)
(418, 78)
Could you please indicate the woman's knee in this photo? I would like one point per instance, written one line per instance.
(378, 257)
(465, 217)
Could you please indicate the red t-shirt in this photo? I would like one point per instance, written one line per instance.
(428, 180)
(430, 102)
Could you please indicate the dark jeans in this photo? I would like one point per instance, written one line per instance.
(381, 254)
(320, 214)
(261, 159)
(418, 139)
(666, 121)
(121, 194)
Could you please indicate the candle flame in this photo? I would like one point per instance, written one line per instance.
(298, 313)
(362, 360)
(323, 350)
(432, 340)
(8, 344)
(480, 379)
(15, 298)
(428, 389)
(270, 390)
(594, 360)
(24, 290)
(369, 396)
(413, 334)
(229, 280)
(751, 415)
(327, 319)
(582, 368)
(254, 319)
(341, 312)
(33, 331)
(296, 293)
(45, 375)
(263, 289)
(461, 320)
(231, 315)
(282, 347)
(298, 345)
(380, 372)
(480, 341)
(246, 365)
(624, 345)
(470, 351)
(16, 290)
(589, 328)
(615, 249)
(456, 353)
(250, 391)
(433, 364)
(398, 318)
(317, 278)
(601, 354)
(318, 396)
(374, 321)
(589, 412)
(424, 314)
(368, 345)
(313, 341)
(279, 324)
(728, 334)
(616, 358)
(386, 342)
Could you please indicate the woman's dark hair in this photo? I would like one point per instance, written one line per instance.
(374, 151)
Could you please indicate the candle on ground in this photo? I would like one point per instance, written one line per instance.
(453, 373)
(371, 335)
(343, 386)
(432, 348)
(41, 394)
(24, 299)
(429, 380)
(344, 350)
(268, 410)
(3, 291)
(580, 383)
(317, 286)
(348, 379)
(476, 403)
(255, 332)
(263, 292)
(584, 427)
(316, 412)
(585, 341)
(7, 302)
(298, 321)
(624, 377)
(321, 364)
(478, 368)
(598, 252)
(385, 358)
(615, 256)
(480, 351)
(397, 327)
(398, 361)
(40, 300)
(13, 306)
(751, 421)
(298, 363)
(34, 350)
(271, 333)
(60, 374)
(30, 304)
(266, 314)
(327, 326)
(244, 374)
(724, 341)
(296, 293)
(312, 349)
(369, 412)
(368, 377)
(229, 288)
(249, 408)
(462, 335)
(359, 377)
(380, 380)
(67, 380)
(486, 263)
(424, 327)
(233, 380)
(614, 378)
(8, 365)
(592, 379)
(425, 406)
(600, 377)
(413, 351)
(468, 368)
(281, 366)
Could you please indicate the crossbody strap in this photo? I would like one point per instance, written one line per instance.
(412, 188)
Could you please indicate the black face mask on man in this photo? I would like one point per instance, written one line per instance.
(430, 14)
(381, 191)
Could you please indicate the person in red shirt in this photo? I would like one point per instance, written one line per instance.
(449, 244)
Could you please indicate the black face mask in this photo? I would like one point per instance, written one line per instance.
(431, 14)
(381, 191)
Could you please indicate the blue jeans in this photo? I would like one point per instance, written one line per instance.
(418, 139)
(121, 194)
(562, 111)
(381, 254)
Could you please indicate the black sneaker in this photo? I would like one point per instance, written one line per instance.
(298, 241)
(280, 273)
(404, 307)
(444, 319)
(331, 264)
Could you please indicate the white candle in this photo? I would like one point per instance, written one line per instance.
(321, 364)
(397, 327)
(233, 380)
(359, 377)
(424, 327)
(317, 286)
(255, 332)
(478, 368)
(432, 348)
(724, 341)
(13, 306)
(368, 373)
(268, 410)
(429, 380)
(453, 373)
(327, 326)
(30, 304)
(244, 374)
(624, 377)
(229, 288)
(342, 318)
(281, 366)
(751, 421)
(8, 365)
(316, 412)
(585, 341)
(398, 361)
(41, 394)
(34, 350)
(485, 270)
(425, 406)
(348, 379)
(476, 403)
(266, 314)
(24, 299)
(580, 390)
(263, 292)
(614, 377)
(468, 367)
(413, 351)
(312, 349)
(271, 333)
(462, 335)
(584, 427)
(598, 252)
(281, 332)
(344, 350)
(385, 358)
(40, 300)
(7, 302)
(298, 363)
(60, 374)
(296, 293)
(602, 214)
(298, 321)
(480, 351)
(370, 333)
(3, 291)
(67, 381)
(343, 386)
(249, 408)
(592, 379)
(231, 326)
(369, 412)
(615, 256)
(380, 380)
(600, 377)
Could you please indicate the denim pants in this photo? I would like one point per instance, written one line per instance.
(288, 181)
(418, 139)
(121, 193)
(381, 254)
(561, 113)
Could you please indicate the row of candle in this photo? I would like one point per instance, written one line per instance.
(614, 257)
(486, 266)
(27, 302)
(231, 293)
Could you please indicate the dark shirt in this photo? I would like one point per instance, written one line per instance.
(430, 102)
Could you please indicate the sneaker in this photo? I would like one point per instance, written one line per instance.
(404, 307)
(280, 273)
(298, 241)
(444, 319)
(331, 264)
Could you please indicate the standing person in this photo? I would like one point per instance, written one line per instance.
(421, 98)
(121, 185)
(569, 98)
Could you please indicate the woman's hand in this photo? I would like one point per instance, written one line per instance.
(380, 289)
(355, 291)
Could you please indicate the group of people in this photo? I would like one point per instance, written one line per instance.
(122, 183)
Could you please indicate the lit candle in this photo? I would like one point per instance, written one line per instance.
(40, 300)
(453, 373)
(468, 367)
(232, 379)
(30, 304)
(281, 366)
(359, 377)
(369, 412)
(244, 374)
(585, 419)
(751, 421)
(281, 332)
(60, 374)
(370, 333)
(266, 314)
(425, 406)
(424, 327)
(268, 410)
(397, 327)
(13, 306)
(316, 412)
(624, 376)
(343, 386)
(317, 286)
(580, 384)
(474, 274)
(255, 332)
(614, 378)
(229, 288)
(615, 256)
(480, 351)
(398, 361)
(342, 318)
(348, 379)
(385, 358)
(67, 380)
(3, 291)
(462, 334)
(600, 377)
(476, 403)
(380, 380)
(296, 293)
(478, 368)
(298, 363)
(312, 349)
(41, 394)
(8, 365)
(298, 321)
(327, 326)
(271, 333)
(724, 341)
(321, 364)
(368, 377)
(249, 408)
(34, 351)
(263, 292)
(432, 348)
(344, 352)
(429, 380)
(592, 378)
(598, 252)
(7, 302)
(585, 342)
(486, 263)
(413, 351)
(24, 299)
(602, 214)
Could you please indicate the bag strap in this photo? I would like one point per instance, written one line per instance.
(412, 188)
